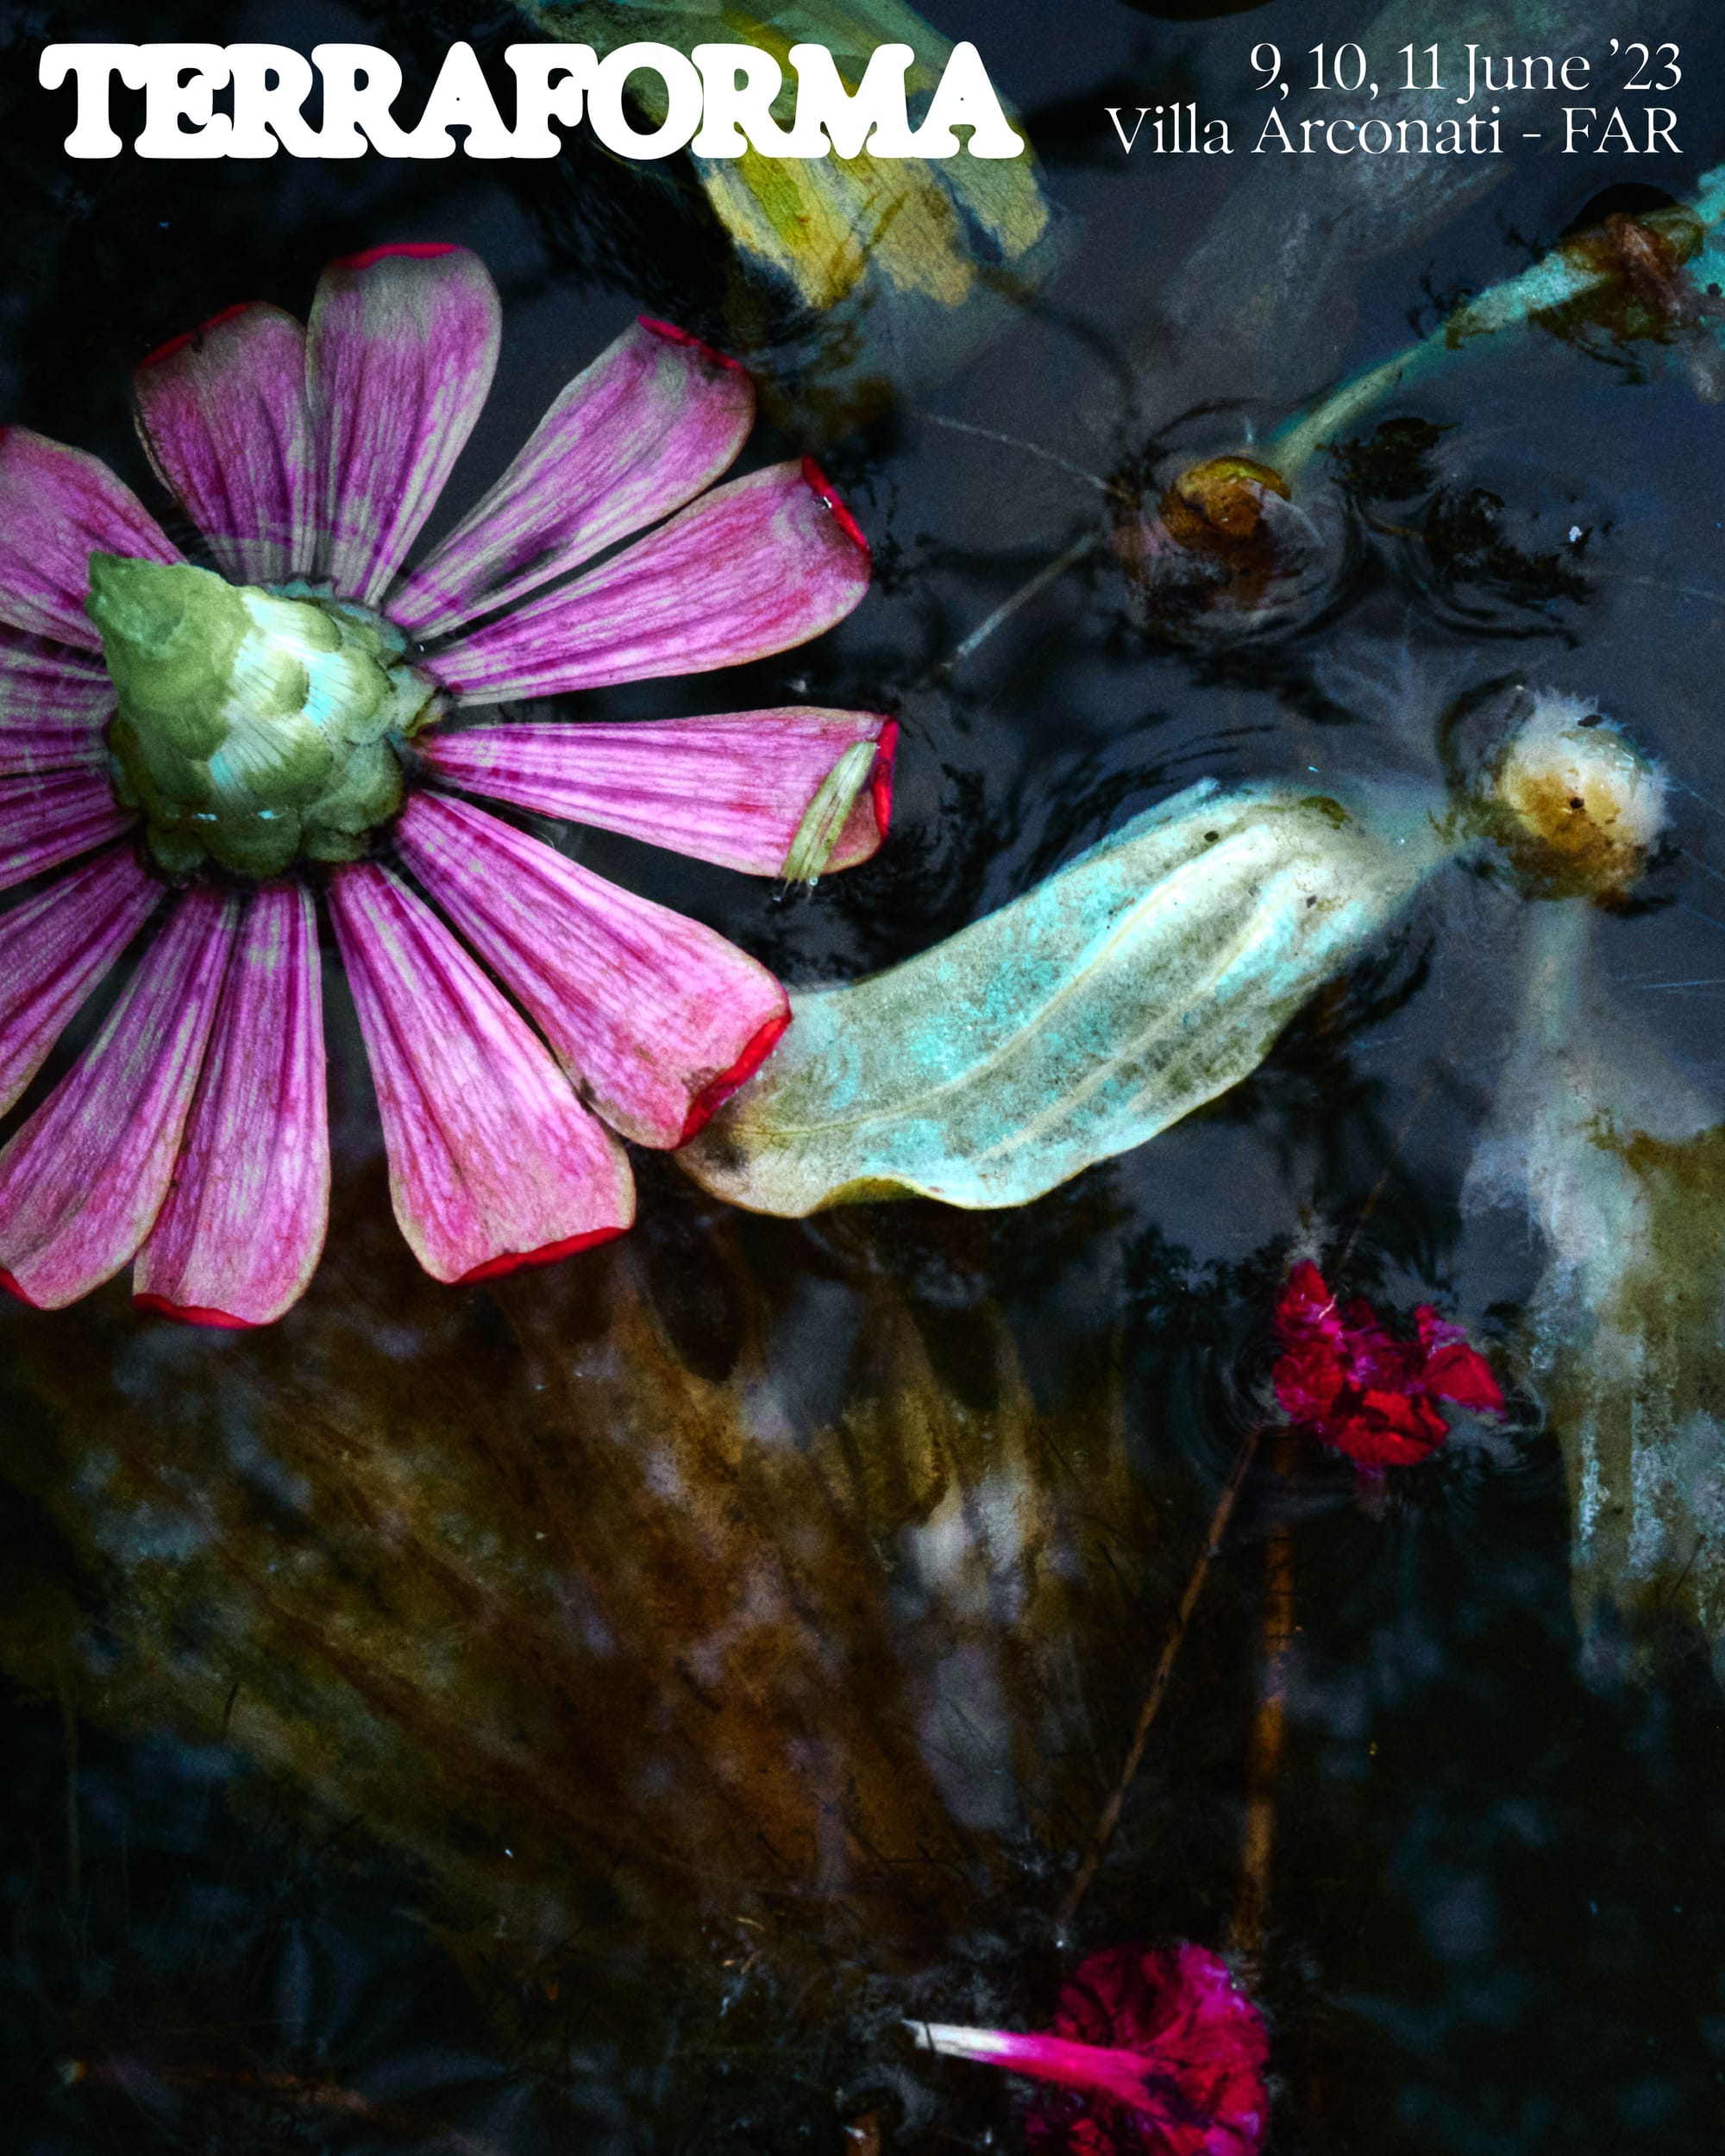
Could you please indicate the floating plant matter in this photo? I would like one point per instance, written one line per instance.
(1134, 985)
(1346, 1379)
(290, 717)
(1153, 2049)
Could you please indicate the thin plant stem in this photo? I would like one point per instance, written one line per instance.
(1269, 1731)
(1158, 1685)
(1050, 574)
(1016, 441)
(1551, 283)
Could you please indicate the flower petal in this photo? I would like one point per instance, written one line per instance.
(733, 789)
(654, 419)
(239, 1236)
(82, 1181)
(58, 945)
(493, 1161)
(656, 1018)
(54, 705)
(58, 506)
(402, 346)
(223, 415)
(752, 568)
(51, 817)
(1462, 1374)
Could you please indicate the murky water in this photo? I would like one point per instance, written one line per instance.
(588, 1712)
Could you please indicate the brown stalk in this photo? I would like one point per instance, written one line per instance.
(1269, 1730)
(1158, 1686)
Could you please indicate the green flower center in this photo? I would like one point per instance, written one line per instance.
(255, 728)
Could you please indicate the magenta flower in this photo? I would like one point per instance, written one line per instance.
(1364, 1393)
(210, 750)
(1154, 2050)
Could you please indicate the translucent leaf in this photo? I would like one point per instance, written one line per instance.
(1133, 986)
(1620, 1165)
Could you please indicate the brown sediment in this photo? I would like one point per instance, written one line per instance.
(569, 1619)
(1268, 1732)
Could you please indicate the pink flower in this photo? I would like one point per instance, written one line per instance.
(210, 751)
(1343, 1377)
(1154, 2049)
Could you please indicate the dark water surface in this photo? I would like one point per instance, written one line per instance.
(588, 1712)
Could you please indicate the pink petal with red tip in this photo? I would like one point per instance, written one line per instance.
(223, 415)
(84, 1179)
(649, 1013)
(49, 818)
(59, 944)
(754, 567)
(402, 346)
(54, 706)
(58, 506)
(637, 434)
(239, 1236)
(732, 789)
(493, 1161)
(1152, 2048)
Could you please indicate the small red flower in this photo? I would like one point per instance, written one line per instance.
(1367, 1395)
(1154, 2050)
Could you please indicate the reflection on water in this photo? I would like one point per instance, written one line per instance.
(591, 1711)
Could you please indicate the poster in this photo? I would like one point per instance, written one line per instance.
(862, 1206)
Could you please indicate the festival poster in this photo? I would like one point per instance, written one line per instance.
(862, 1195)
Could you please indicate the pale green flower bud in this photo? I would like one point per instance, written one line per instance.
(255, 728)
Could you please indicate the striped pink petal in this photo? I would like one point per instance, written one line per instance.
(654, 419)
(52, 818)
(656, 1018)
(58, 506)
(223, 415)
(401, 350)
(493, 1161)
(752, 568)
(54, 705)
(59, 944)
(733, 789)
(238, 1239)
(83, 1179)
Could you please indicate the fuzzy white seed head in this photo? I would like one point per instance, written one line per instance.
(1579, 807)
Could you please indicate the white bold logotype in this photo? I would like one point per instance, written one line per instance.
(716, 101)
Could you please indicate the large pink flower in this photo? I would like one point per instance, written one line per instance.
(212, 751)
(1154, 2050)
